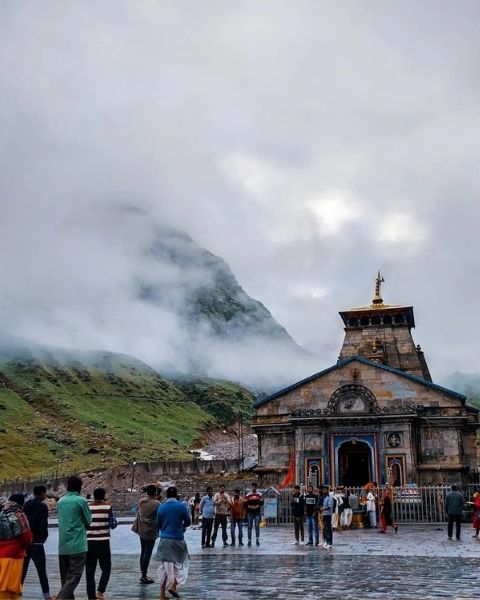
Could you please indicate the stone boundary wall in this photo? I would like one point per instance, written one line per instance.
(170, 469)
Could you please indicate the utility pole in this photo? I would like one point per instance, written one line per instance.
(133, 476)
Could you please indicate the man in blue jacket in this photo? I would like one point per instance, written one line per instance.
(172, 520)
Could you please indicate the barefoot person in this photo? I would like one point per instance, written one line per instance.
(172, 520)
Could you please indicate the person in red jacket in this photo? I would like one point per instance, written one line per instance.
(12, 549)
(237, 515)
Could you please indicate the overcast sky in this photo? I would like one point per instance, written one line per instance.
(307, 143)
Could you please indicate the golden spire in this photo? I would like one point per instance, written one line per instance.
(377, 299)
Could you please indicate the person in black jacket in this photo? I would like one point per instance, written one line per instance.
(37, 515)
(298, 513)
(454, 503)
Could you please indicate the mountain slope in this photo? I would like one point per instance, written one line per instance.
(222, 399)
(465, 383)
(66, 412)
(216, 301)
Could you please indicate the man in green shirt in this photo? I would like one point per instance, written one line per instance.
(74, 518)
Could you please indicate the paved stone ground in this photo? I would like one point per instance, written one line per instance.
(418, 562)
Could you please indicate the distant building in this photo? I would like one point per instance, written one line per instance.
(375, 412)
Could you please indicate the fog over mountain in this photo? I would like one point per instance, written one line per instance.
(149, 291)
(306, 144)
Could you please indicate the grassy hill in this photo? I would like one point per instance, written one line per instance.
(222, 399)
(67, 412)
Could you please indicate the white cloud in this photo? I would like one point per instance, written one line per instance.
(402, 228)
(333, 212)
(308, 144)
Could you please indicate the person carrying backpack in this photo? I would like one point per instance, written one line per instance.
(15, 538)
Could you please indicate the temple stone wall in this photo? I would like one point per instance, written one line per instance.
(388, 388)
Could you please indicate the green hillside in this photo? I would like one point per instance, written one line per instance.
(222, 399)
(68, 412)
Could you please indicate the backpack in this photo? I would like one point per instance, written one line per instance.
(12, 521)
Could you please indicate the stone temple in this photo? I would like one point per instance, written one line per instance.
(376, 411)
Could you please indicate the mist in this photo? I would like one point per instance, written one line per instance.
(308, 144)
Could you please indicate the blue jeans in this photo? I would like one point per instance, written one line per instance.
(238, 522)
(312, 524)
(327, 529)
(251, 518)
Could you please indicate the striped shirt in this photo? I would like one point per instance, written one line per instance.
(99, 530)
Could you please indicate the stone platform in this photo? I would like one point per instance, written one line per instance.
(418, 562)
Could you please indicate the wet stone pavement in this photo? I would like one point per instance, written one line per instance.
(418, 562)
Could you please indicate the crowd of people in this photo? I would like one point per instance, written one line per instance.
(84, 527)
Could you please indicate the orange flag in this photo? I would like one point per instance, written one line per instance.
(290, 476)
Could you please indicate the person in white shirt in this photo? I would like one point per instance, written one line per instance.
(336, 513)
(371, 509)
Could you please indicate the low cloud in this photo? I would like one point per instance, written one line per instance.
(307, 145)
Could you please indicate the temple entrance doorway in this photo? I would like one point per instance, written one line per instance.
(355, 465)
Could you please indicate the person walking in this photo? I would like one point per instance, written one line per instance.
(223, 504)
(311, 513)
(36, 511)
(237, 515)
(297, 505)
(98, 539)
(454, 503)
(207, 510)
(171, 521)
(15, 538)
(74, 518)
(328, 507)
(144, 526)
(253, 504)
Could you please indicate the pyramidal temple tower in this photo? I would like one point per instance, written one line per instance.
(374, 415)
(382, 333)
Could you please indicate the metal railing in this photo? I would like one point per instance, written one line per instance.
(412, 504)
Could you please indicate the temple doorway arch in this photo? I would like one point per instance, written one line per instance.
(355, 463)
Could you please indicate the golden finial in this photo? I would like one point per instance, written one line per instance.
(378, 289)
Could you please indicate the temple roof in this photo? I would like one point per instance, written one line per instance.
(342, 363)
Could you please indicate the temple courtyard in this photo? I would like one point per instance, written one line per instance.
(417, 562)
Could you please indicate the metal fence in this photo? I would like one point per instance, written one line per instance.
(422, 504)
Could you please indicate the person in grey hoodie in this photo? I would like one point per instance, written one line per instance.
(454, 502)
